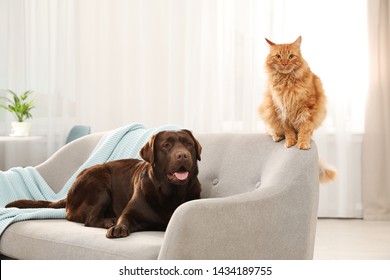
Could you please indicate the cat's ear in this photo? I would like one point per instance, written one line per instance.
(297, 42)
(270, 42)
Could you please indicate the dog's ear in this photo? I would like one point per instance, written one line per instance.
(198, 147)
(147, 151)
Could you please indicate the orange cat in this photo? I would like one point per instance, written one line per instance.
(294, 102)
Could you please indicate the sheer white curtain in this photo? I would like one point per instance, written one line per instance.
(376, 152)
(195, 63)
(39, 51)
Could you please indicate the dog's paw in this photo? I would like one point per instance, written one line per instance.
(117, 231)
(109, 222)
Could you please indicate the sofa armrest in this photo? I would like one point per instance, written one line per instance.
(276, 221)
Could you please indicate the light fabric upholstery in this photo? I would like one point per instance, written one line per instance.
(60, 239)
(259, 201)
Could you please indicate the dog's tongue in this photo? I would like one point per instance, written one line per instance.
(181, 175)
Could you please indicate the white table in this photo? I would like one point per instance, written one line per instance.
(21, 151)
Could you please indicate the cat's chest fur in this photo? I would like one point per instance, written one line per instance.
(279, 105)
(287, 102)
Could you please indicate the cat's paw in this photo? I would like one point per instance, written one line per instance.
(277, 138)
(303, 145)
(290, 142)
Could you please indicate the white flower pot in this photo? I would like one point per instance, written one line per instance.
(20, 129)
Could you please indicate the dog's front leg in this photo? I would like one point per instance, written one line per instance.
(124, 226)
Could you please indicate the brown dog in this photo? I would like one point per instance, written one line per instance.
(132, 195)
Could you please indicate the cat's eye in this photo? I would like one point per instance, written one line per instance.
(291, 56)
(278, 56)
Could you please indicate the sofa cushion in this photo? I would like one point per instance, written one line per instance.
(61, 239)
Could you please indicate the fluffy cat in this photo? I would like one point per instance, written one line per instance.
(294, 102)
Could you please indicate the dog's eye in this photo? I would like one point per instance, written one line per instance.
(189, 144)
(167, 145)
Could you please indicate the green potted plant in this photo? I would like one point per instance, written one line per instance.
(20, 106)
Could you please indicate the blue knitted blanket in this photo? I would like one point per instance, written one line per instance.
(27, 183)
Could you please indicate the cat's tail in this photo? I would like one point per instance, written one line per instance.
(37, 204)
(327, 172)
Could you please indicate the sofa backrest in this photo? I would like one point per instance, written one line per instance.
(64, 163)
(239, 163)
(230, 163)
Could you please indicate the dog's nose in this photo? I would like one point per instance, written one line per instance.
(182, 155)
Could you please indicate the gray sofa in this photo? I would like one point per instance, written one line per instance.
(259, 201)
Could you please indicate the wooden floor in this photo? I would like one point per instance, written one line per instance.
(352, 239)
